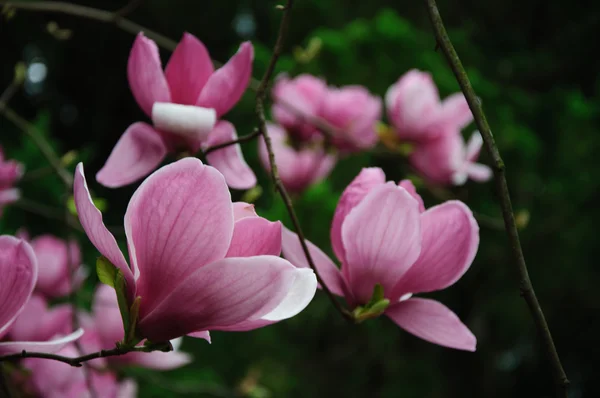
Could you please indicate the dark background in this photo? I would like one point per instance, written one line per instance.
(534, 67)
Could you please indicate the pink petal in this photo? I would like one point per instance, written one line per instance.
(433, 322)
(297, 299)
(138, 152)
(382, 238)
(107, 317)
(158, 360)
(226, 86)
(243, 210)
(18, 267)
(410, 188)
(363, 183)
(127, 389)
(474, 146)
(50, 346)
(178, 220)
(479, 172)
(450, 242)
(188, 70)
(254, 236)
(439, 159)
(91, 221)
(229, 160)
(331, 275)
(145, 75)
(8, 196)
(222, 293)
(37, 322)
(54, 265)
(203, 334)
(455, 111)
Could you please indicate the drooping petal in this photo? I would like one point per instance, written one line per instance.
(410, 188)
(188, 121)
(450, 241)
(474, 146)
(300, 295)
(50, 346)
(144, 72)
(243, 210)
(222, 293)
(363, 183)
(91, 221)
(188, 70)
(382, 239)
(432, 321)
(226, 85)
(479, 172)
(331, 275)
(18, 268)
(229, 160)
(455, 111)
(138, 152)
(179, 219)
(254, 236)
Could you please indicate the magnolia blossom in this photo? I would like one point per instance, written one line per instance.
(105, 322)
(382, 234)
(416, 112)
(353, 113)
(197, 264)
(447, 160)
(297, 102)
(10, 172)
(185, 103)
(298, 168)
(52, 379)
(25, 323)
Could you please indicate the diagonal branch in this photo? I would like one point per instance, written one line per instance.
(526, 287)
(262, 127)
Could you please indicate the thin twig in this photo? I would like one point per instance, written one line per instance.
(526, 287)
(262, 127)
(244, 138)
(80, 360)
(47, 212)
(128, 8)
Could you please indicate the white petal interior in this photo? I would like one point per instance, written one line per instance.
(184, 120)
(300, 295)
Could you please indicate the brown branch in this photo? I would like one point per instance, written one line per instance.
(244, 138)
(128, 8)
(526, 287)
(262, 127)
(80, 360)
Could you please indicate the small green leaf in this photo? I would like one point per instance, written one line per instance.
(106, 271)
(121, 288)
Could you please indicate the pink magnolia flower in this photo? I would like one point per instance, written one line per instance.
(52, 379)
(353, 112)
(10, 172)
(54, 267)
(296, 102)
(447, 160)
(416, 112)
(382, 235)
(106, 323)
(185, 103)
(19, 312)
(194, 264)
(298, 168)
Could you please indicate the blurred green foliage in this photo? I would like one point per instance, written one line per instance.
(532, 67)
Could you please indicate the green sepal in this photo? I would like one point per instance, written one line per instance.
(106, 271)
(164, 346)
(120, 286)
(131, 333)
(375, 307)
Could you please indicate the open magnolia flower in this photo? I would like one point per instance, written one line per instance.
(198, 261)
(390, 248)
(298, 168)
(185, 103)
(415, 110)
(446, 160)
(25, 323)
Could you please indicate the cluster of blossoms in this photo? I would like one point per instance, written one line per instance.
(199, 262)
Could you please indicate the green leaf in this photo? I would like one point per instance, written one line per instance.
(106, 271)
(120, 286)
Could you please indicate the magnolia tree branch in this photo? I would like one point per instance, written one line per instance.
(244, 138)
(80, 360)
(526, 287)
(262, 127)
